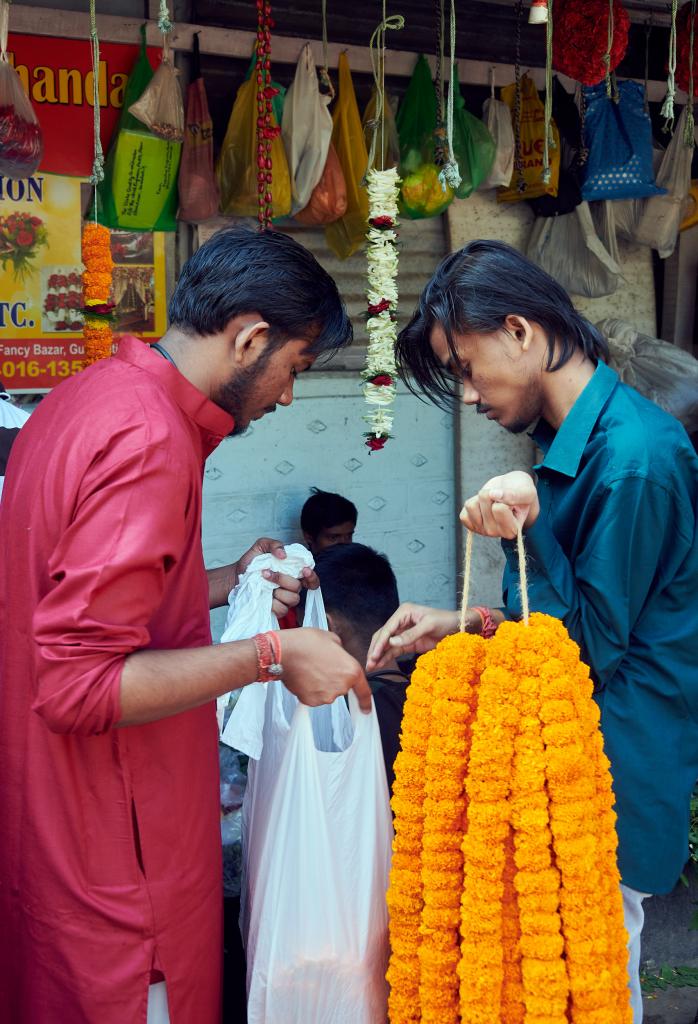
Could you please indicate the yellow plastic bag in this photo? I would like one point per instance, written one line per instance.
(532, 145)
(348, 233)
(237, 169)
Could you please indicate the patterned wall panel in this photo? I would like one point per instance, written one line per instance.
(255, 485)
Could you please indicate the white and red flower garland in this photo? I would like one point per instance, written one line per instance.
(380, 373)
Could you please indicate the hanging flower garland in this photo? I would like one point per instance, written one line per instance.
(589, 39)
(380, 372)
(514, 719)
(267, 131)
(97, 284)
(687, 49)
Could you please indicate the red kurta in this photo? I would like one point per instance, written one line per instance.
(110, 838)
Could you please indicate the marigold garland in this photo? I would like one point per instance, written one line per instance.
(542, 939)
(380, 372)
(97, 284)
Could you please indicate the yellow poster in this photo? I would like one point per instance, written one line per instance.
(41, 283)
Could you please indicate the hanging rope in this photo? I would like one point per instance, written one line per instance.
(450, 173)
(584, 151)
(549, 138)
(4, 27)
(648, 33)
(164, 23)
(324, 76)
(667, 111)
(376, 49)
(607, 55)
(440, 133)
(98, 161)
(518, 155)
(689, 127)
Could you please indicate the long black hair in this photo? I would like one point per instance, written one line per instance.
(473, 291)
(239, 270)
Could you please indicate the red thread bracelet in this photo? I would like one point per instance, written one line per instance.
(489, 626)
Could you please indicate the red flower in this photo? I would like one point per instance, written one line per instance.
(25, 237)
(381, 222)
(382, 380)
(35, 221)
(580, 38)
(375, 443)
(683, 24)
(379, 307)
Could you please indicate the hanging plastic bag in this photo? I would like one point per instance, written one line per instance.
(314, 919)
(661, 217)
(570, 250)
(21, 139)
(664, 373)
(387, 148)
(328, 201)
(473, 146)
(160, 107)
(139, 191)
(618, 136)
(237, 168)
(422, 194)
(532, 146)
(347, 234)
(198, 188)
(569, 125)
(306, 129)
(497, 118)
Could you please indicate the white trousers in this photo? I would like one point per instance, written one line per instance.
(634, 920)
(158, 1012)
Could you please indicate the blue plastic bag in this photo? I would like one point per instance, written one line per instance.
(619, 138)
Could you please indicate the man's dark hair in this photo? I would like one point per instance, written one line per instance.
(358, 584)
(473, 291)
(243, 271)
(323, 510)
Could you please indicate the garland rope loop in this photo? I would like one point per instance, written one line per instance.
(450, 172)
(667, 111)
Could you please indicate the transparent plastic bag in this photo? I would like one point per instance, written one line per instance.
(306, 129)
(314, 919)
(473, 146)
(422, 194)
(662, 372)
(21, 139)
(198, 188)
(497, 118)
(661, 216)
(237, 169)
(328, 201)
(347, 234)
(569, 248)
(161, 108)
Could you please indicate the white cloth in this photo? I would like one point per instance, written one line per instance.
(634, 920)
(250, 613)
(10, 416)
(158, 1011)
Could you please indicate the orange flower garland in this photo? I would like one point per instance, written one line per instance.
(97, 285)
(542, 939)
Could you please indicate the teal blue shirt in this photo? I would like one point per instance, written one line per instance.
(614, 554)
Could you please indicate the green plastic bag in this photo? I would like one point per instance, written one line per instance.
(139, 191)
(473, 146)
(422, 194)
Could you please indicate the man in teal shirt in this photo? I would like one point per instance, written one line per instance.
(610, 530)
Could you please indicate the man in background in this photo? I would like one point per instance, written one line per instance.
(327, 519)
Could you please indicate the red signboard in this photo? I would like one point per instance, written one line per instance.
(57, 76)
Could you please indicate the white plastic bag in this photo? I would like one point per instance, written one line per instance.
(306, 129)
(570, 250)
(661, 216)
(161, 107)
(317, 835)
(497, 117)
(21, 138)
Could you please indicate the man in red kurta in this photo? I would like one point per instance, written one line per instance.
(110, 872)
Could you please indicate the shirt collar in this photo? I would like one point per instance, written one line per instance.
(213, 422)
(564, 448)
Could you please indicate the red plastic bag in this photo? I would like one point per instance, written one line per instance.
(198, 188)
(21, 140)
(328, 200)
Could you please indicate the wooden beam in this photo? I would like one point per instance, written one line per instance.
(227, 42)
